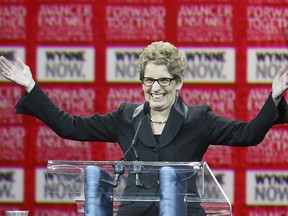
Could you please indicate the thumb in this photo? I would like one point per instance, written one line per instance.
(281, 71)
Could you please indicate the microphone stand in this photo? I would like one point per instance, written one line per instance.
(119, 168)
(118, 171)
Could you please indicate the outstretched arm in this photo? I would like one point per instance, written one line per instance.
(18, 73)
(280, 84)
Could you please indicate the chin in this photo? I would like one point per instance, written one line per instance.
(156, 104)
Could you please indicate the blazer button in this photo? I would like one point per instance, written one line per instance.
(155, 149)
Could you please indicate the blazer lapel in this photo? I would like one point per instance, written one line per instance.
(177, 116)
(145, 131)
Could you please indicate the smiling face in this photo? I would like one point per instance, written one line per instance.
(160, 98)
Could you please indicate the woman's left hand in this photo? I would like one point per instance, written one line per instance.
(280, 84)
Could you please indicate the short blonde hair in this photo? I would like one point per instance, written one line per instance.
(163, 53)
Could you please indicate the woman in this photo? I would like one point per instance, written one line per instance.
(171, 131)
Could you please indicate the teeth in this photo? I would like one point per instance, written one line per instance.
(157, 96)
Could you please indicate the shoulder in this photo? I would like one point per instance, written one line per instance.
(128, 106)
(199, 109)
(199, 113)
(127, 109)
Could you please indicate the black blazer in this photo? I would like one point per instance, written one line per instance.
(187, 134)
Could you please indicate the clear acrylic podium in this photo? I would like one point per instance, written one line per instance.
(115, 180)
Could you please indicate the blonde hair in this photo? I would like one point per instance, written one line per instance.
(163, 53)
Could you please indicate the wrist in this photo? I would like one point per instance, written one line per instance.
(276, 99)
(30, 86)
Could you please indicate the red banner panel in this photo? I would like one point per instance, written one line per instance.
(83, 54)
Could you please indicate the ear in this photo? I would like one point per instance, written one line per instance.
(179, 85)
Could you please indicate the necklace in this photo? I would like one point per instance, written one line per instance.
(156, 122)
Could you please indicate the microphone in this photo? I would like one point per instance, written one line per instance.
(146, 109)
(118, 171)
(137, 168)
(120, 168)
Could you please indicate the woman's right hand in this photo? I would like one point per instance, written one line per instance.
(18, 73)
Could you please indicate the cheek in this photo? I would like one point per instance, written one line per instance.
(171, 91)
(145, 91)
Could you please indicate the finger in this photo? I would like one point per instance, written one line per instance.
(3, 66)
(8, 76)
(282, 70)
(6, 63)
(8, 68)
(20, 63)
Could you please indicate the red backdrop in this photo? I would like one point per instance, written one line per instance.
(82, 53)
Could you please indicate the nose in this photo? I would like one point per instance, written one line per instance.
(156, 86)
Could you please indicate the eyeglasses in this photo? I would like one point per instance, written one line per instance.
(163, 81)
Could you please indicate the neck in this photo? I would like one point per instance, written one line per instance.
(159, 116)
(157, 122)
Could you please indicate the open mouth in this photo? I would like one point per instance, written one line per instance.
(157, 96)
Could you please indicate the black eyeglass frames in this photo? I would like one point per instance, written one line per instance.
(163, 81)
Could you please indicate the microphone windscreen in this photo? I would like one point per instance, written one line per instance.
(146, 107)
(98, 195)
(172, 192)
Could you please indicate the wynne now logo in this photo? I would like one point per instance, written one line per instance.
(54, 188)
(267, 187)
(209, 65)
(65, 64)
(11, 185)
